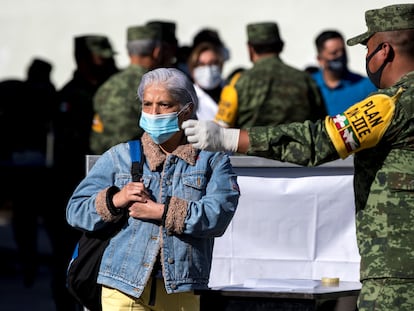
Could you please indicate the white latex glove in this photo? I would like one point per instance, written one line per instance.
(208, 135)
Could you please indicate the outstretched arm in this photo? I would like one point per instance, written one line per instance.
(208, 135)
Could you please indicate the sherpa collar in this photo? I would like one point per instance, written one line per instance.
(155, 157)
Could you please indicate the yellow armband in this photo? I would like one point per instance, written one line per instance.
(97, 125)
(362, 125)
(228, 104)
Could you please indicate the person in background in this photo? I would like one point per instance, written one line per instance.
(34, 113)
(186, 199)
(205, 65)
(340, 88)
(73, 120)
(204, 35)
(115, 103)
(271, 92)
(212, 36)
(25, 120)
(379, 132)
(72, 124)
(183, 53)
(169, 42)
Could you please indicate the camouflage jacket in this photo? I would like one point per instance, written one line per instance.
(118, 110)
(383, 174)
(272, 93)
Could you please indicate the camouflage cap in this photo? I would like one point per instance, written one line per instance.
(389, 18)
(263, 33)
(143, 32)
(167, 29)
(96, 44)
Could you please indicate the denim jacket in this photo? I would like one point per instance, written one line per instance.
(204, 196)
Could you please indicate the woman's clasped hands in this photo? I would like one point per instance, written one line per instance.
(136, 198)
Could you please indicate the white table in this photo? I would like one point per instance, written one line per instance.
(292, 222)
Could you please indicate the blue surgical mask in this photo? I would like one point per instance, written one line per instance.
(160, 126)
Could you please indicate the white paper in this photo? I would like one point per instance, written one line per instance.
(281, 283)
(300, 227)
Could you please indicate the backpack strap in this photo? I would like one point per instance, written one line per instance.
(135, 149)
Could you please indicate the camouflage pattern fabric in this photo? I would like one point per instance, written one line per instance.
(143, 33)
(387, 294)
(383, 181)
(389, 18)
(119, 109)
(263, 33)
(98, 45)
(272, 93)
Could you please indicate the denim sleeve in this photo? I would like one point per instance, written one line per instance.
(81, 209)
(211, 215)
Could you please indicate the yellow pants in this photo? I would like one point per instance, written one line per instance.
(114, 300)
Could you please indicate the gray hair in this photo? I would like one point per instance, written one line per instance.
(175, 81)
(142, 47)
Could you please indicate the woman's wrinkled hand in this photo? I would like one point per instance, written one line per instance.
(132, 192)
(146, 210)
(136, 198)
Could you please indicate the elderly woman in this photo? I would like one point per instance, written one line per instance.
(185, 199)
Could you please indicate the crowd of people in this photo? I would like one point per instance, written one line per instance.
(189, 190)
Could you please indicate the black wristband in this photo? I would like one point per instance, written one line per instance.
(164, 214)
(109, 195)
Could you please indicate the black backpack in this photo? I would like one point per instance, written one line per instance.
(84, 266)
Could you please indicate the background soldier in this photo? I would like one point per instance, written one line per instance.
(116, 104)
(271, 92)
(72, 125)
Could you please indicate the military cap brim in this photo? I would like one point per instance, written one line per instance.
(389, 18)
(96, 44)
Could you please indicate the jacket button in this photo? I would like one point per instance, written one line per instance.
(173, 286)
(170, 260)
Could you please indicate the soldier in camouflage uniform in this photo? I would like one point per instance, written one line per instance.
(72, 122)
(271, 92)
(169, 42)
(115, 103)
(380, 132)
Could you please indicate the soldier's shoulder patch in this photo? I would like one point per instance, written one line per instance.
(97, 124)
(363, 125)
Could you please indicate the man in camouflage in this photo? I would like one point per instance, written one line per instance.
(271, 92)
(169, 42)
(115, 103)
(380, 132)
(72, 120)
